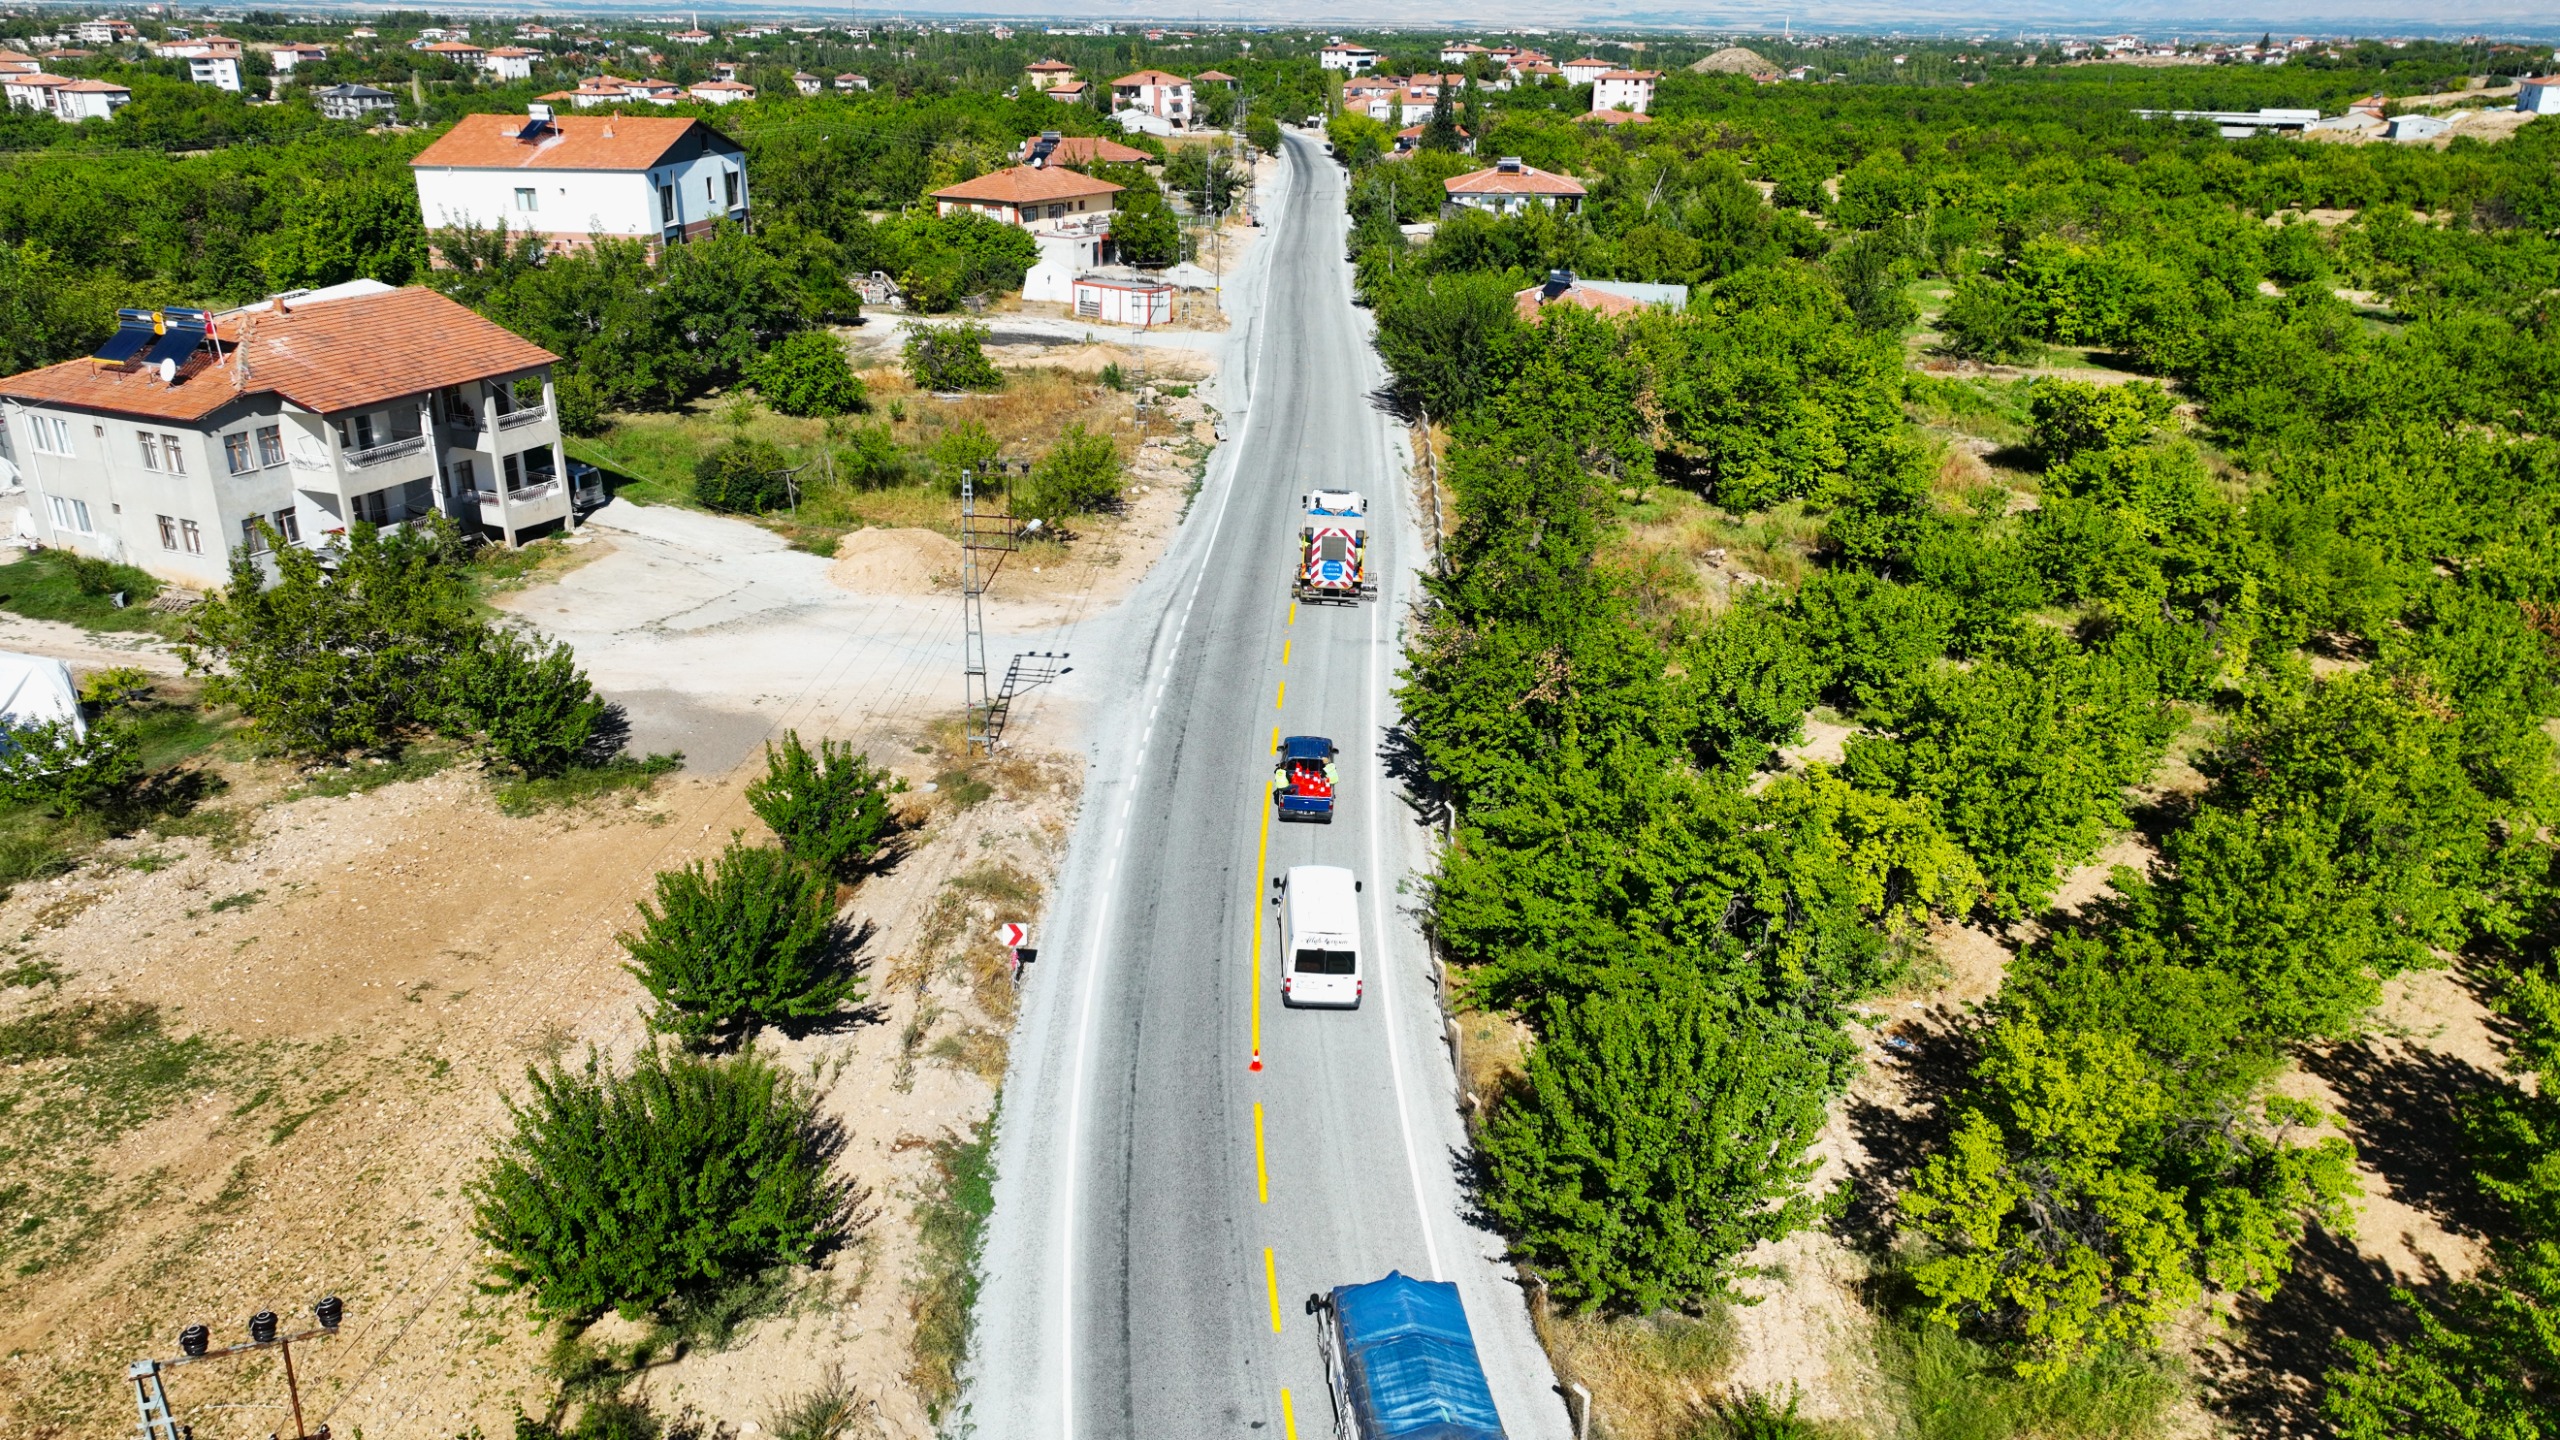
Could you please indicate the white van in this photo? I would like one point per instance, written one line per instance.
(1319, 936)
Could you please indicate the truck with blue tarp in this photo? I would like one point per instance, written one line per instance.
(1401, 1363)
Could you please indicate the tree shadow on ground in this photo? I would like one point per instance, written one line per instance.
(2401, 1106)
(1935, 1055)
(2265, 1380)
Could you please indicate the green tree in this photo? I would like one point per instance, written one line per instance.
(1447, 340)
(807, 374)
(1144, 231)
(2044, 1233)
(751, 940)
(951, 356)
(680, 1176)
(828, 809)
(1657, 1137)
(341, 652)
(580, 403)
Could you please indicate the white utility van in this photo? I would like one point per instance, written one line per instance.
(1319, 936)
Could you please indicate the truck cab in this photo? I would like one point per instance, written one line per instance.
(1333, 547)
(1319, 937)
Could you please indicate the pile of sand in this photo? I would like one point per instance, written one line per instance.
(896, 562)
(1734, 60)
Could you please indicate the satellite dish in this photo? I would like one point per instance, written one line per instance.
(168, 372)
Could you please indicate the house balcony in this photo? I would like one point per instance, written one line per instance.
(515, 419)
(544, 500)
(385, 452)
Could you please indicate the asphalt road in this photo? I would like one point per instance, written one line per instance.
(1163, 1209)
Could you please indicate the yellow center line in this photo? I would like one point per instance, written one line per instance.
(1261, 1172)
(1282, 698)
(1261, 887)
(1288, 1416)
(1275, 739)
(1271, 1278)
(1284, 652)
(1293, 612)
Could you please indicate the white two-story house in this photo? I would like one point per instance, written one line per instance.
(1068, 215)
(1156, 93)
(570, 177)
(1628, 90)
(359, 402)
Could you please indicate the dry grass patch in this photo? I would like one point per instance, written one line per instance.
(1656, 1378)
(1493, 1053)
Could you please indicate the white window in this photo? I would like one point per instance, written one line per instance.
(191, 536)
(289, 525)
(270, 445)
(168, 533)
(253, 539)
(174, 453)
(525, 197)
(237, 455)
(666, 204)
(69, 514)
(150, 450)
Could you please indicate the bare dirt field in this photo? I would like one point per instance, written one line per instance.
(297, 1036)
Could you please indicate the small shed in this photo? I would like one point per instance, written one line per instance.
(2417, 127)
(1123, 299)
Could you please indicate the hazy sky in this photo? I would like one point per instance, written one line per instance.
(2159, 17)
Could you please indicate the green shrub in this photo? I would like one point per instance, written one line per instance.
(870, 458)
(742, 477)
(967, 446)
(1987, 320)
(830, 809)
(748, 941)
(1113, 377)
(679, 1177)
(52, 765)
(806, 374)
(1079, 475)
(951, 356)
(532, 707)
(94, 576)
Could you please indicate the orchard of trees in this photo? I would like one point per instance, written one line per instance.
(2302, 535)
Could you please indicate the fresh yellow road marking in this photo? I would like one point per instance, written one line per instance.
(1288, 1417)
(1261, 888)
(1261, 1172)
(1275, 739)
(1282, 698)
(1293, 612)
(1284, 652)
(1271, 1278)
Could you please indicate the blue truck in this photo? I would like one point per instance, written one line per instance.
(1401, 1363)
(1302, 783)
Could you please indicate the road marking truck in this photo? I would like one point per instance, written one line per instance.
(1333, 548)
(1401, 1363)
